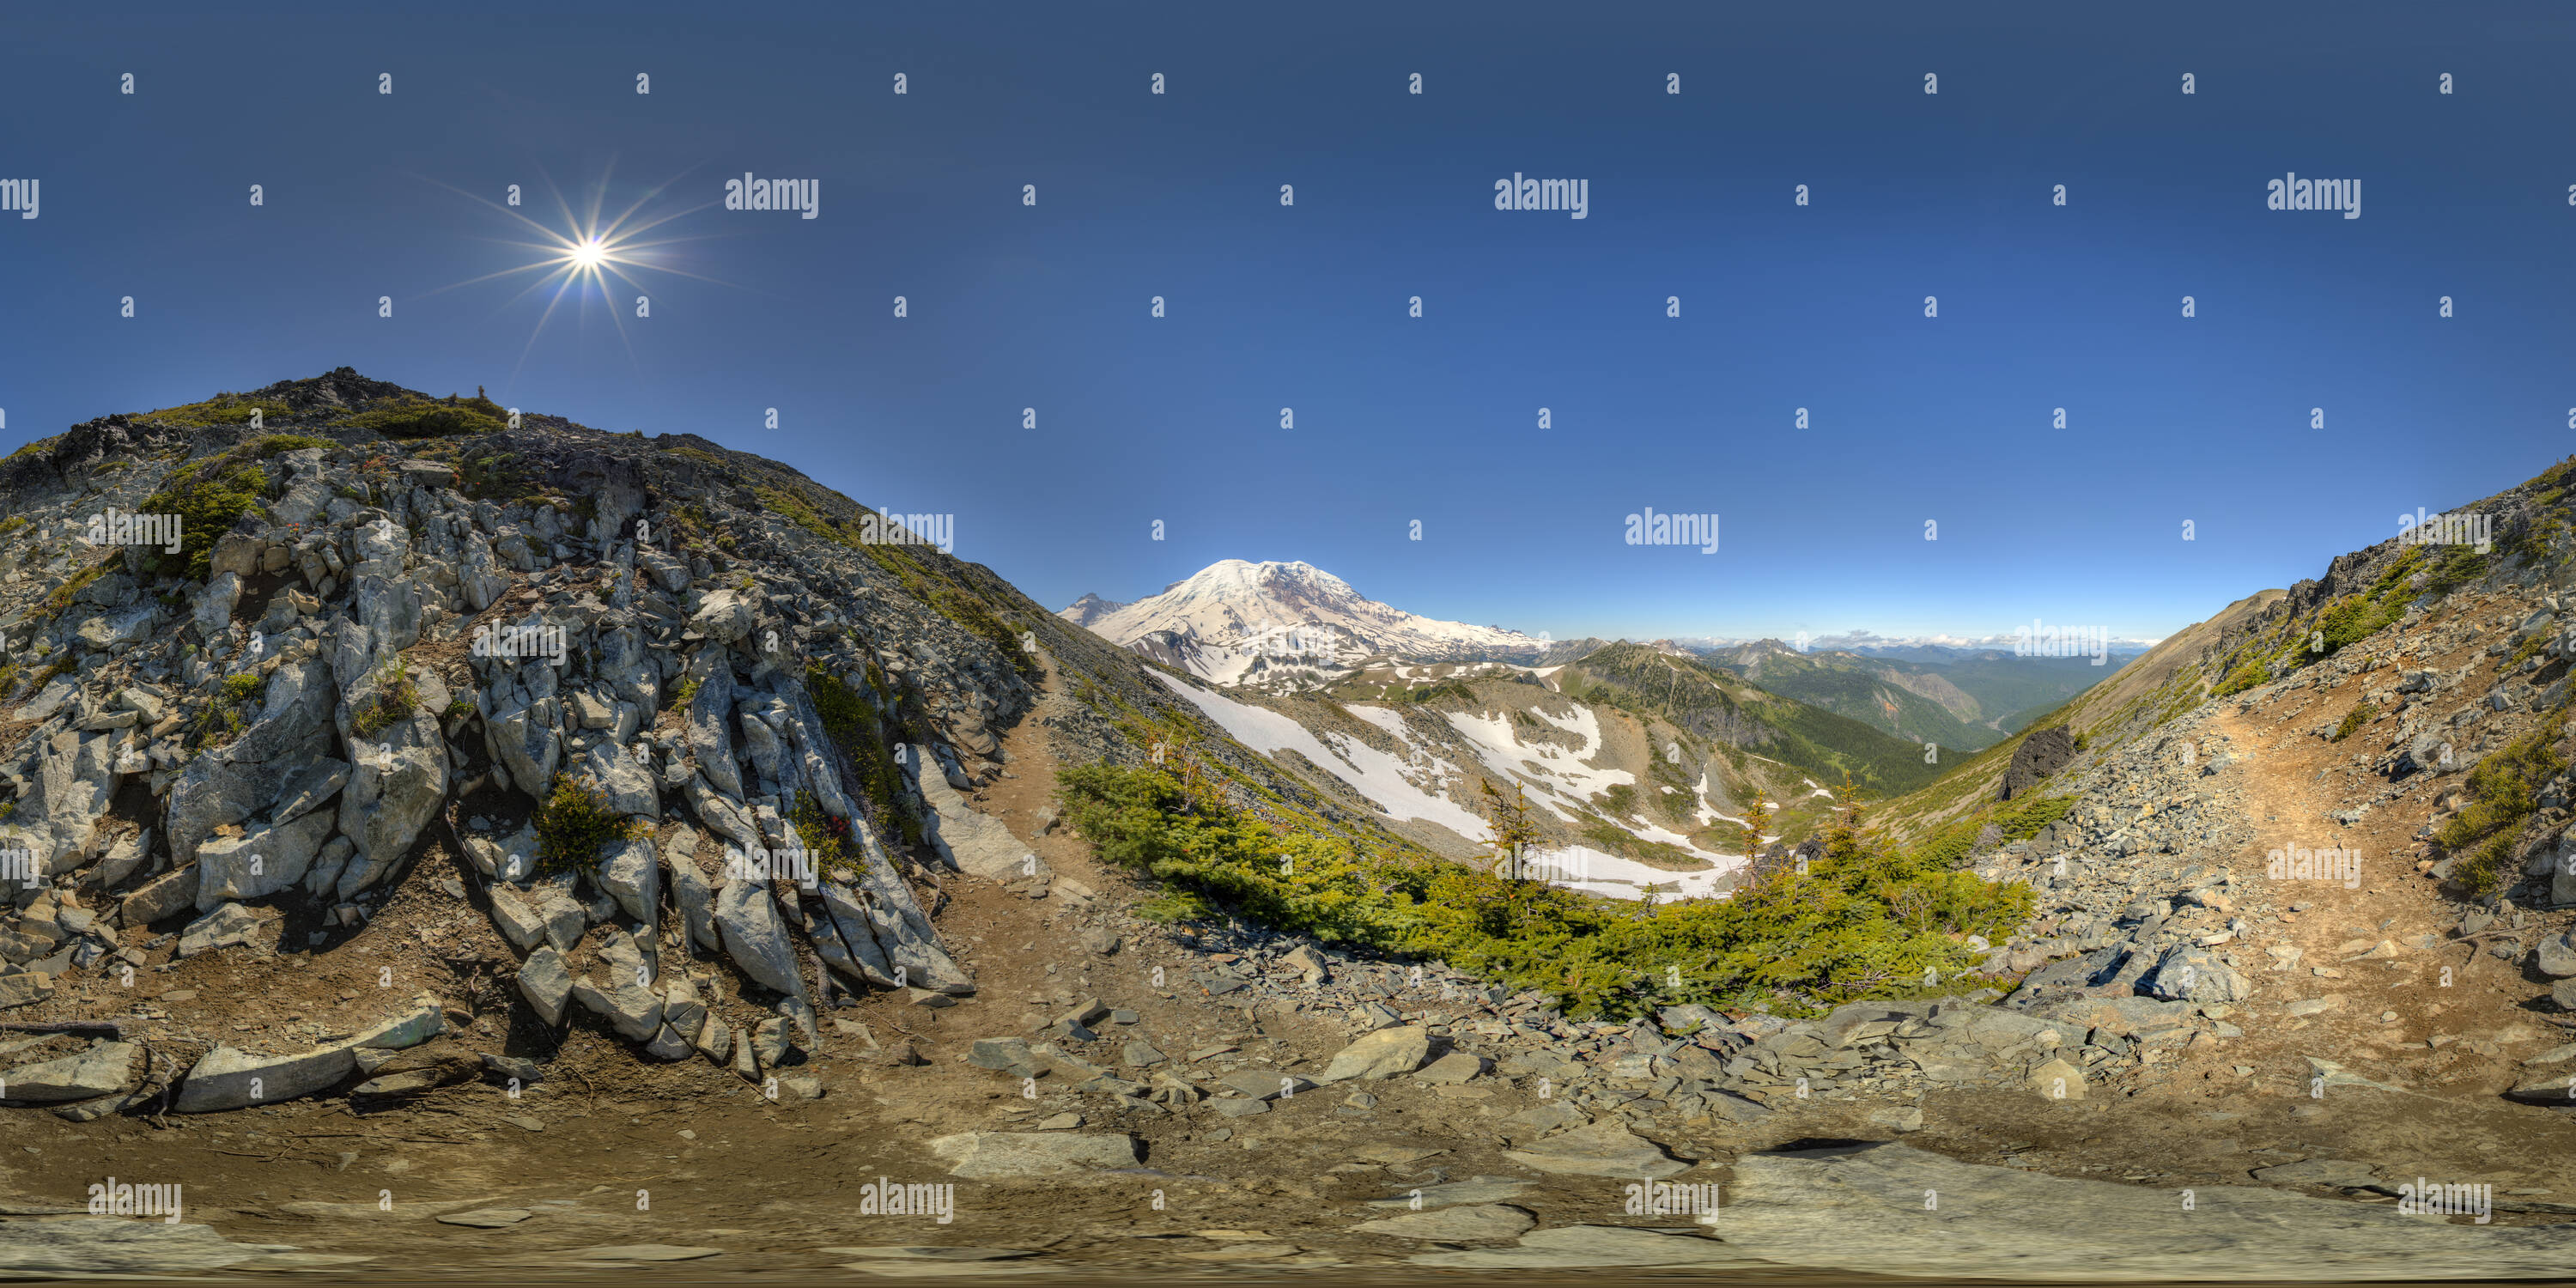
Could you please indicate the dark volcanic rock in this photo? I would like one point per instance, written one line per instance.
(2039, 755)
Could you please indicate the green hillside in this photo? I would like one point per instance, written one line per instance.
(1719, 705)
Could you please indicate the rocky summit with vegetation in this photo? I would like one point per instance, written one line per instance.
(396, 780)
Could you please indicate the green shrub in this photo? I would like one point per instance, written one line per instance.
(2015, 820)
(2243, 677)
(573, 824)
(2362, 713)
(280, 444)
(37, 447)
(2505, 792)
(456, 416)
(850, 721)
(971, 612)
(12, 524)
(1864, 920)
(224, 715)
(222, 409)
(2458, 568)
(63, 595)
(822, 835)
(396, 698)
(208, 499)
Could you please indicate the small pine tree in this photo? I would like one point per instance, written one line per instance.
(1757, 812)
(1509, 818)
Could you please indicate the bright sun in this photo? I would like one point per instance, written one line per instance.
(589, 254)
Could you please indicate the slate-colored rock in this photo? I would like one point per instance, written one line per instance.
(969, 839)
(226, 1078)
(1470, 1223)
(1589, 1247)
(2041, 753)
(229, 926)
(1606, 1148)
(1387, 1053)
(103, 1069)
(259, 862)
(546, 983)
(628, 872)
(1863, 1211)
(755, 936)
(988, 1155)
(2187, 973)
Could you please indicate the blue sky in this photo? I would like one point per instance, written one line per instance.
(1396, 419)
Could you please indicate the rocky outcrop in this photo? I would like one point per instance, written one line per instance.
(2043, 752)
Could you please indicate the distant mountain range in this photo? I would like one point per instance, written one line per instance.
(1967, 699)
(1917, 648)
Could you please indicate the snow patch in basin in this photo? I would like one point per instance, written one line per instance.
(1370, 772)
(1580, 867)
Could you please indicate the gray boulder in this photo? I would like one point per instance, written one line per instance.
(102, 1070)
(163, 896)
(1387, 1053)
(399, 779)
(546, 983)
(245, 777)
(620, 778)
(258, 863)
(1606, 1148)
(2556, 956)
(226, 1078)
(755, 936)
(967, 838)
(2043, 752)
(228, 926)
(994, 1155)
(628, 872)
(695, 899)
(2195, 974)
(708, 733)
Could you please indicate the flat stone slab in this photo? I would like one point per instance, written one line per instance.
(1470, 1223)
(226, 1078)
(1864, 1210)
(99, 1071)
(1482, 1189)
(121, 1245)
(1577, 1247)
(1605, 1148)
(486, 1218)
(996, 1155)
(625, 1252)
(2319, 1171)
(931, 1252)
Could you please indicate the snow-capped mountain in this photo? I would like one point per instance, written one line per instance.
(1089, 609)
(1234, 619)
